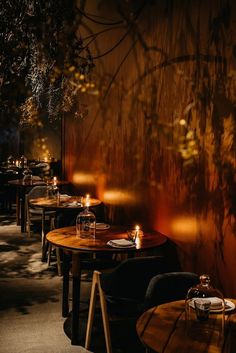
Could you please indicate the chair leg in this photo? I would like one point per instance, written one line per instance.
(105, 318)
(52, 226)
(58, 261)
(96, 284)
(43, 237)
(91, 310)
(49, 254)
(27, 216)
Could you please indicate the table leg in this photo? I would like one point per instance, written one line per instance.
(76, 276)
(22, 212)
(66, 278)
(17, 208)
(43, 238)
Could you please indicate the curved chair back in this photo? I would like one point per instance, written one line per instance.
(37, 191)
(122, 291)
(169, 287)
(131, 277)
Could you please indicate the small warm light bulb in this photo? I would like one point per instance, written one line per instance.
(137, 228)
(54, 180)
(182, 122)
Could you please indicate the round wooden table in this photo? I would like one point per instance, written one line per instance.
(66, 239)
(163, 329)
(69, 202)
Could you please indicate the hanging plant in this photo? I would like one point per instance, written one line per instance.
(39, 48)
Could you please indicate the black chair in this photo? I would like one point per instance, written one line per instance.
(122, 291)
(168, 287)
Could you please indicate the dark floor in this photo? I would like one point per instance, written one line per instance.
(30, 301)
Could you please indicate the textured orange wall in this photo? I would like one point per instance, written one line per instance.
(132, 151)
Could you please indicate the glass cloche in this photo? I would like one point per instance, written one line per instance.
(205, 310)
(86, 222)
(27, 175)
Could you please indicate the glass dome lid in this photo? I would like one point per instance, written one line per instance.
(205, 309)
(205, 290)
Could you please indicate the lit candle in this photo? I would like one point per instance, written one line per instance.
(17, 163)
(87, 200)
(54, 180)
(137, 229)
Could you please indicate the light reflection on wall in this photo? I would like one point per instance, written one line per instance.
(111, 196)
(118, 197)
(83, 178)
(184, 229)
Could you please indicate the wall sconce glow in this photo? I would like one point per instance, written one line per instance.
(83, 178)
(184, 229)
(117, 197)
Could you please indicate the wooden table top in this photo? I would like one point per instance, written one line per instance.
(66, 238)
(163, 329)
(26, 183)
(35, 182)
(68, 202)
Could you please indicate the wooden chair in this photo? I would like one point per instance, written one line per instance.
(122, 291)
(37, 213)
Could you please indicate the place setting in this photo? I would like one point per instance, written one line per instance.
(132, 236)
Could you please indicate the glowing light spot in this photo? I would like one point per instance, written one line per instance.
(116, 197)
(184, 229)
(182, 122)
(83, 178)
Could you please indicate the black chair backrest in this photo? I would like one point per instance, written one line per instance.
(169, 287)
(131, 277)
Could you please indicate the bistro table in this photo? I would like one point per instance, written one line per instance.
(66, 239)
(163, 329)
(68, 202)
(62, 203)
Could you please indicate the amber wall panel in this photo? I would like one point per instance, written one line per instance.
(158, 144)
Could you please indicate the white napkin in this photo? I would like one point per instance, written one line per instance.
(123, 243)
(101, 226)
(64, 197)
(216, 303)
(72, 204)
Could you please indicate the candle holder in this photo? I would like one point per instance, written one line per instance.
(134, 234)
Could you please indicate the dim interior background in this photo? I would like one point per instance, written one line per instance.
(154, 135)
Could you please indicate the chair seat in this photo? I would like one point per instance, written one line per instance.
(124, 307)
(39, 211)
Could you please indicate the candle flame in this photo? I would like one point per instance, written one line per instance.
(87, 200)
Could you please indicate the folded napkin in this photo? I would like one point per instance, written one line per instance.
(216, 303)
(64, 197)
(72, 204)
(122, 243)
(101, 226)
